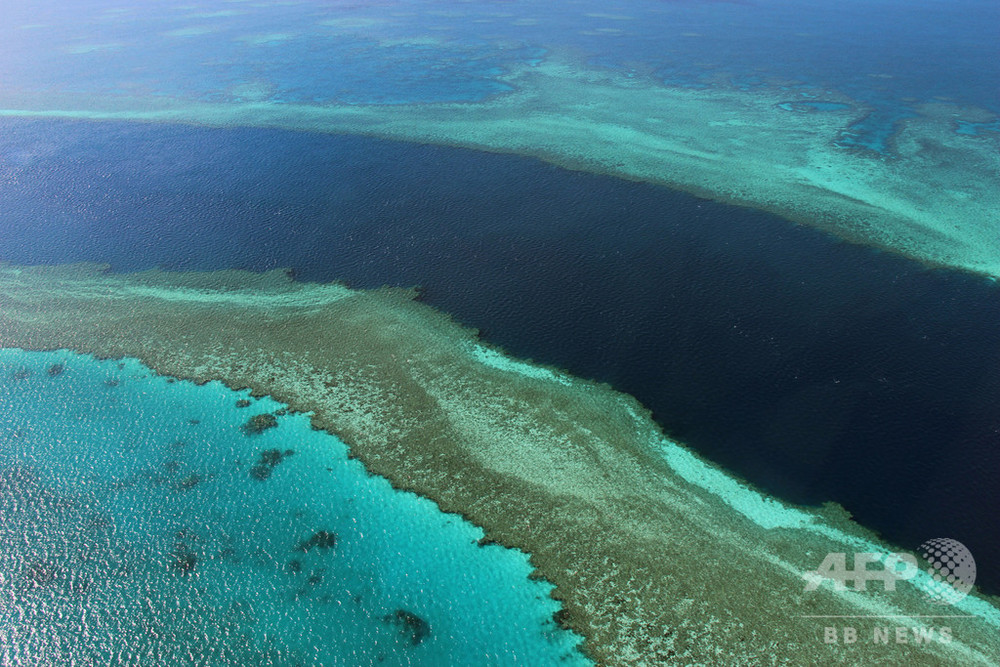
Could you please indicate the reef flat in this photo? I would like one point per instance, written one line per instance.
(657, 555)
(934, 199)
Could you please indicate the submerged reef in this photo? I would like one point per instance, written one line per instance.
(183, 559)
(656, 555)
(260, 423)
(268, 460)
(321, 539)
(410, 625)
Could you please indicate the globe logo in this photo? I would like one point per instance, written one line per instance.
(952, 570)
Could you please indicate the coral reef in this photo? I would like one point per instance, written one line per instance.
(410, 625)
(322, 539)
(260, 423)
(267, 461)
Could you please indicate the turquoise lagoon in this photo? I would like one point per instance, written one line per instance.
(144, 522)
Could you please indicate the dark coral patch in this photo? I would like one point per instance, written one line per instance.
(410, 625)
(39, 574)
(259, 423)
(267, 461)
(182, 559)
(321, 539)
(56, 369)
(188, 482)
(271, 457)
(243, 403)
(260, 473)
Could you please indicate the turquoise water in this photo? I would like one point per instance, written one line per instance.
(144, 521)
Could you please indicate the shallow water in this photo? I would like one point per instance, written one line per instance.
(144, 516)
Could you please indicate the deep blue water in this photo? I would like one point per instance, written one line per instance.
(817, 369)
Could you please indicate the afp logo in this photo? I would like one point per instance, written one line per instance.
(945, 575)
(952, 570)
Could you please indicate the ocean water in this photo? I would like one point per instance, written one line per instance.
(889, 55)
(817, 369)
(144, 523)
